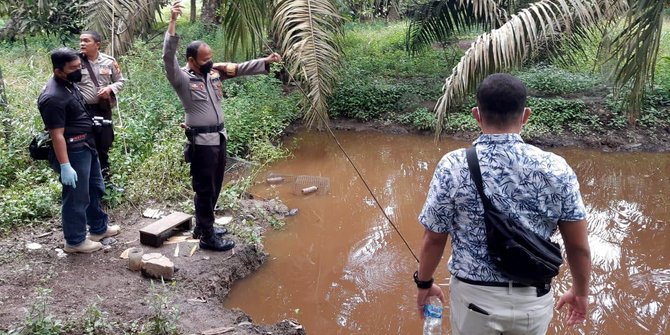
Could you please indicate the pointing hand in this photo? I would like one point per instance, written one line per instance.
(273, 58)
(176, 10)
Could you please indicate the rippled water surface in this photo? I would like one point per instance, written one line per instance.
(339, 268)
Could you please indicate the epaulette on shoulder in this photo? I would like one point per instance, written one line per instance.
(107, 56)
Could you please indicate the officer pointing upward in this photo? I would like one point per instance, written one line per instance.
(198, 86)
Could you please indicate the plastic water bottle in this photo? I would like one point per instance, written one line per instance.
(432, 312)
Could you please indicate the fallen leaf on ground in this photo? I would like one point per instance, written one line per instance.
(33, 246)
(176, 239)
(198, 300)
(124, 254)
(223, 220)
(195, 247)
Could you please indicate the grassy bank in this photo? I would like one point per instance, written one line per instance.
(380, 81)
(147, 157)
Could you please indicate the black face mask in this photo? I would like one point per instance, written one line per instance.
(205, 68)
(74, 77)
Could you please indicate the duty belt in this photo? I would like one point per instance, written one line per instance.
(191, 131)
(205, 129)
(76, 141)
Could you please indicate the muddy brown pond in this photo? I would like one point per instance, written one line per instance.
(339, 268)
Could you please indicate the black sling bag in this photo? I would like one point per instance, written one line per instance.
(519, 254)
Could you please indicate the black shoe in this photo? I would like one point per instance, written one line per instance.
(216, 243)
(218, 231)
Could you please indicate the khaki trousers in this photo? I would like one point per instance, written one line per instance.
(512, 311)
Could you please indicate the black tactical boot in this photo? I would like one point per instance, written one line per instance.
(216, 243)
(218, 231)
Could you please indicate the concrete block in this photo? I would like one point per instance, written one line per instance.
(155, 265)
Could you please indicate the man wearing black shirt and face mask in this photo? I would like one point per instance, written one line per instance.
(74, 157)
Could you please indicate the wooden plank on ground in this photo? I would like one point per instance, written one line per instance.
(156, 233)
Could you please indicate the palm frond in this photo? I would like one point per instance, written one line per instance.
(243, 23)
(440, 19)
(121, 21)
(507, 47)
(307, 32)
(636, 49)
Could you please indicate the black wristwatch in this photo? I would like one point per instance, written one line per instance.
(422, 284)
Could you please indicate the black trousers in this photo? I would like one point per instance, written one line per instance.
(208, 163)
(104, 137)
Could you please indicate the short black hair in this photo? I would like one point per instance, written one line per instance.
(501, 98)
(93, 33)
(62, 56)
(192, 49)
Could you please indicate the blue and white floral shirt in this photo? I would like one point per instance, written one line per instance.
(534, 187)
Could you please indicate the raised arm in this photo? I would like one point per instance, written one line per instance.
(252, 67)
(172, 70)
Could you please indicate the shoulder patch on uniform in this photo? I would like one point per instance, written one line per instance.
(107, 56)
(116, 67)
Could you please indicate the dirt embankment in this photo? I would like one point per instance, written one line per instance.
(200, 285)
(608, 140)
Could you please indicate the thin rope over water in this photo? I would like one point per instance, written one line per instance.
(330, 131)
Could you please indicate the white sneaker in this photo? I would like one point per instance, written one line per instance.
(111, 231)
(85, 247)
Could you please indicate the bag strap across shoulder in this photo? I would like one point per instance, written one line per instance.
(476, 174)
(90, 71)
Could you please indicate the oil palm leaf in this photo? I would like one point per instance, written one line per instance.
(440, 19)
(121, 20)
(635, 50)
(307, 32)
(243, 22)
(508, 46)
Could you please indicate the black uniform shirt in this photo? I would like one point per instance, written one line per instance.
(62, 106)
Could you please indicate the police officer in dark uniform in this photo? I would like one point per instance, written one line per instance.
(198, 86)
(74, 157)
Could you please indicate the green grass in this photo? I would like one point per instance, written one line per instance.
(380, 79)
(552, 80)
(147, 155)
(559, 116)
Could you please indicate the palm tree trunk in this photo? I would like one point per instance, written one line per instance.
(9, 31)
(210, 12)
(193, 2)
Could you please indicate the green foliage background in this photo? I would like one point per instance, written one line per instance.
(379, 81)
(147, 156)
